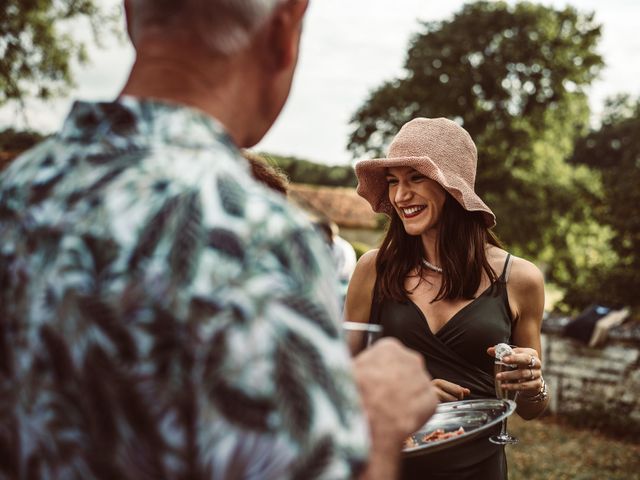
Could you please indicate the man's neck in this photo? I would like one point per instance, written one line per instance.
(211, 85)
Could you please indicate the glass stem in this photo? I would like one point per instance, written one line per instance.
(503, 428)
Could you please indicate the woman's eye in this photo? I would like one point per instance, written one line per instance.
(391, 181)
(417, 178)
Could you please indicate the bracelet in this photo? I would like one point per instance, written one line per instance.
(541, 396)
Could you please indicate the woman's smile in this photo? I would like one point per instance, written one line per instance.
(417, 199)
(412, 211)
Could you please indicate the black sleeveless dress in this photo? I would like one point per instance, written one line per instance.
(457, 353)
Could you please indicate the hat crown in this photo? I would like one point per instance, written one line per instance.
(445, 142)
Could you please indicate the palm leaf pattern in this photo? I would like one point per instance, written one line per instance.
(152, 232)
(227, 242)
(314, 463)
(187, 239)
(295, 399)
(301, 350)
(148, 320)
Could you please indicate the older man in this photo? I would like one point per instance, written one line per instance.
(162, 315)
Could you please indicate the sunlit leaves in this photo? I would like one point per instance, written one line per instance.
(37, 49)
(491, 64)
(614, 150)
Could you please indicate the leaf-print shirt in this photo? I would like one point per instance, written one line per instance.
(162, 315)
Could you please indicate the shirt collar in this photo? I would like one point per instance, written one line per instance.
(131, 121)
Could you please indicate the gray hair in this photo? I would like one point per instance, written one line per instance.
(224, 26)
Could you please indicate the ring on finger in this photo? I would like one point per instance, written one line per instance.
(532, 362)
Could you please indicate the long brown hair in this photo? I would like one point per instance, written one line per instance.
(462, 242)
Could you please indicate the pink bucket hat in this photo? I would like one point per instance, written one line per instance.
(436, 147)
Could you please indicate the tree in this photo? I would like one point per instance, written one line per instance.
(614, 150)
(495, 68)
(304, 171)
(515, 78)
(37, 48)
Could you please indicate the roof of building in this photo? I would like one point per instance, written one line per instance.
(340, 204)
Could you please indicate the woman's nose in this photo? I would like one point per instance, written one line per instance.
(402, 193)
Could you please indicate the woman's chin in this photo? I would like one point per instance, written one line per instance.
(414, 229)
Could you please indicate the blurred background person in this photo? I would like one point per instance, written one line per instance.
(342, 252)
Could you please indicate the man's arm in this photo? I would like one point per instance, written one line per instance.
(397, 397)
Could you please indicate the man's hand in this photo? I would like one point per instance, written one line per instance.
(398, 398)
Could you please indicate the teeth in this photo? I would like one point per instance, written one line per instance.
(411, 210)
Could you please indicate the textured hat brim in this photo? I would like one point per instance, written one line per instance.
(372, 184)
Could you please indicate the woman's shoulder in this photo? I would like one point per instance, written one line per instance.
(497, 258)
(360, 291)
(526, 291)
(525, 284)
(520, 271)
(525, 274)
(369, 257)
(366, 266)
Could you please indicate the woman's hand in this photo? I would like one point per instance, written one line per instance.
(527, 378)
(448, 391)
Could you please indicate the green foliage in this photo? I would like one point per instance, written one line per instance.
(515, 77)
(360, 248)
(36, 51)
(496, 68)
(614, 151)
(304, 171)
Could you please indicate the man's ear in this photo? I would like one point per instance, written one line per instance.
(283, 34)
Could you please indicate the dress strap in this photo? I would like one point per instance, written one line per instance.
(505, 271)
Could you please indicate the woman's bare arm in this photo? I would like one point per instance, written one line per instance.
(360, 292)
(526, 296)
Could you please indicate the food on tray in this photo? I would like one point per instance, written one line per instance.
(434, 436)
(410, 442)
(440, 434)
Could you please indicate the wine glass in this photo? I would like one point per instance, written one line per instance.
(361, 335)
(503, 438)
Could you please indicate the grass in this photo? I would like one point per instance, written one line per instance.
(549, 449)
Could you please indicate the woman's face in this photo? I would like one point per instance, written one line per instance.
(418, 200)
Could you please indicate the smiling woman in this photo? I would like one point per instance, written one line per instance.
(415, 197)
(441, 283)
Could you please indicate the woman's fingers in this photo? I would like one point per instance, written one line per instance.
(523, 358)
(524, 386)
(449, 391)
(526, 359)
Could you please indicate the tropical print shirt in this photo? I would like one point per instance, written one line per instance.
(162, 315)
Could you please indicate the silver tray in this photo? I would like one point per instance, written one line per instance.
(475, 416)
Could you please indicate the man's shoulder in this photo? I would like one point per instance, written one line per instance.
(24, 166)
(238, 196)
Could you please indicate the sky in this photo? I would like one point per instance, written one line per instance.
(349, 48)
